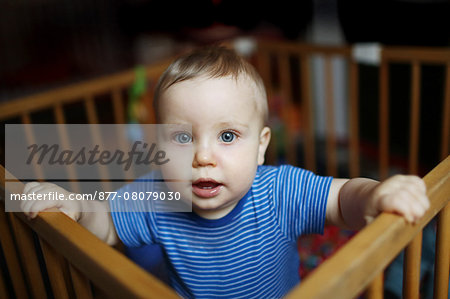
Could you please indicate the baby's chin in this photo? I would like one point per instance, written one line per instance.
(212, 208)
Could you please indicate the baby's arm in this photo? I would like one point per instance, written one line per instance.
(353, 203)
(99, 223)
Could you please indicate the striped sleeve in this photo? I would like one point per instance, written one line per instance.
(135, 226)
(300, 200)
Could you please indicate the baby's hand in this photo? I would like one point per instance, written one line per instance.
(401, 194)
(31, 208)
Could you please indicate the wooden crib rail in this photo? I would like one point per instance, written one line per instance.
(83, 91)
(274, 62)
(353, 267)
(89, 259)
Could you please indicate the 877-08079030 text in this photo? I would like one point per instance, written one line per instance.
(102, 195)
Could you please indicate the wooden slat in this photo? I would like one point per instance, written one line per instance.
(353, 267)
(445, 139)
(411, 268)
(119, 118)
(11, 257)
(63, 137)
(415, 119)
(81, 284)
(55, 269)
(354, 120)
(91, 111)
(375, 289)
(74, 92)
(308, 121)
(442, 264)
(112, 272)
(330, 119)
(299, 48)
(424, 54)
(59, 114)
(28, 256)
(384, 121)
(26, 120)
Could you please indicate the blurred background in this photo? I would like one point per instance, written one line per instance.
(48, 43)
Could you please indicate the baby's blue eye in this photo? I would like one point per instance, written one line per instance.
(227, 136)
(183, 138)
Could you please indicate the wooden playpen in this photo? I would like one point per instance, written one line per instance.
(54, 256)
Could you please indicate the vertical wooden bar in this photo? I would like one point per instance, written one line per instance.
(445, 151)
(11, 257)
(330, 119)
(31, 140)
(81, 284)
(29, 258)
(91, 113)
(119, 118)
(55, 268)
(384, 121)
(415, 119)
(442, 262)
(354, 119)
(411, 268)
(63, 136)
(308, 121)
(375, 290)
(59, 114)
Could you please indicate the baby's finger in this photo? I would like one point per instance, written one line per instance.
(27, 209)
(39, 188)
(32, 208)
(397, 203)
(417, 209)
(30, 185)
(409, 206)
(417, 182)
(417, 196)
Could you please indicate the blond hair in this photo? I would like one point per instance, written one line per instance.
(212, 62)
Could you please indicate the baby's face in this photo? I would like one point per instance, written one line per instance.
(227, 139)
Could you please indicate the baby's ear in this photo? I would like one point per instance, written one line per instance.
(264, 139)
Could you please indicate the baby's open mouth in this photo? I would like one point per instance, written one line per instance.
(206, 188)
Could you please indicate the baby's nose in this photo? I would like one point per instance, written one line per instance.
(204, 157)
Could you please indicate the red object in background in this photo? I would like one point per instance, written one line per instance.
(314, 249)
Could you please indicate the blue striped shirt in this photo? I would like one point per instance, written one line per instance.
(251, 252)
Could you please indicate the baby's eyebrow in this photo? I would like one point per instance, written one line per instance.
(233, 124)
